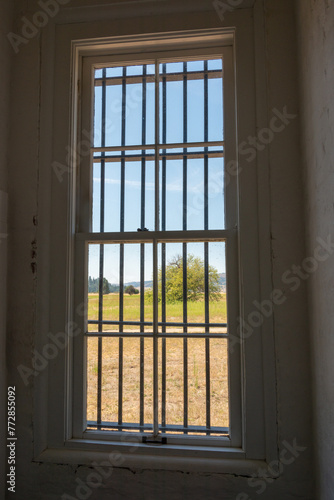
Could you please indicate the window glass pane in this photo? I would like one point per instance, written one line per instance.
(150, 113)
(150, 69)
(197, 385)
(110, 378)
(192, 312)
(216, 193)
(171, 181)
(174, 111)
(132, 196)
(195, 194)
(136, 273)
(215, 64)
(113, 72)
(92, 371)
(123, 103)
(203, 286)
(219, 395)
(201, 211)
(195, 107)
(174, 382)
(134, 118)
(124, 354)
(124, 190)
(131, 386)
(134, 70)
(149, 196)
(215, 105)
(112, 196)
(174, 67)
(195, 65)
(113, 115)
(96, 197)
(98, 117)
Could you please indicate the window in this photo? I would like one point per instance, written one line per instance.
(157, 221)
(154, 202)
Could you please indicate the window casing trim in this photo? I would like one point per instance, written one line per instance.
(56, 432)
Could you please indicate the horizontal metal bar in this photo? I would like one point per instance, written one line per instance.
(166, 428)
(188, 335)
(162, 323)
(194, 428)
(159, 236)
(170, 77)
(148, 147)
(123, 426)
(171, 156)
(118, 80)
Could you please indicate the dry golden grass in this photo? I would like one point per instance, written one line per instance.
(174, 377)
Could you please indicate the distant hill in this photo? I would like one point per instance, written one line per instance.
(222, 281)
(149, 284)
(93, 284)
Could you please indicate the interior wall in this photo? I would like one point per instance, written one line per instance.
(281, 158)
(5, 64)
(316, 49)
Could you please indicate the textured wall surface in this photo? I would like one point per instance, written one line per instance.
(281, 159)
(316, 47)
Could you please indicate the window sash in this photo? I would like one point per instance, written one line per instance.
(85, 236)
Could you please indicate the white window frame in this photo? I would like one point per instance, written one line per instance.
(84, 236)
(64, 434)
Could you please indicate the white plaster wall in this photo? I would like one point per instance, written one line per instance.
(316, 48)
(281, 158)
(5, 53)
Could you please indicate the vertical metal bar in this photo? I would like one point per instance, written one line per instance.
(101, 260)
(120, 348)
(207, 340)
(99, 345)
(206, 157)
(142, 341)
(163, 247)
(155, 265)
(142, 253)
(121, 257)
(206, 249)
(184, 251)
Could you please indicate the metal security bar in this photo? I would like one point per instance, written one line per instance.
(160, 328)
(184, 250)
(206, 247)
(142, 250)
(163, 248)
(169, 77)
(101, 266)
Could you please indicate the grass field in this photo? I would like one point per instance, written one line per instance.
(196, 365)
(174, 311)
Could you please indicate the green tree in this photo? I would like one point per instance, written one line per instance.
(195, 280)
(94, 285)
(105, 286)
(131, 290)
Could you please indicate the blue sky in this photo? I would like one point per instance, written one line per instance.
(174, 181)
